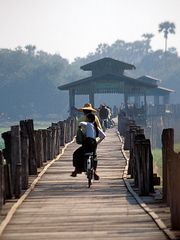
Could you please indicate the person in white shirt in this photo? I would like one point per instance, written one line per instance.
(93, 136)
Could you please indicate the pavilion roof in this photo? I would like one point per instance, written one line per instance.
(106, 62)
(149, 80)
(88, 80)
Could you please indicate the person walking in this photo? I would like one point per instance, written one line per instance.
(104, 114)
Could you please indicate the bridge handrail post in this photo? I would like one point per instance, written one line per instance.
(171, 177)
(167, 139)
(44, 138)
(7, 170)
(39, 147)
(144, 165)
(24, 154)
(174, 193)
(62, 133)
(16, 160)
(32, 150)
(2, 187)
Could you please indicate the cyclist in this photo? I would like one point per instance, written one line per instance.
(87, 108)
(93, 136)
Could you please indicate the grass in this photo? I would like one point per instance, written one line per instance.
(37, 125)
(2, 130)
(177, 147)
(157, 158)
(157, 161)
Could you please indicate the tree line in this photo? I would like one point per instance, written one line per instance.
(29, 77)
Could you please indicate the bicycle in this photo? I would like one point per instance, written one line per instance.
(89, 167)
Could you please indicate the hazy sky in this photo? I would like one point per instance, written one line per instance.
(74, 28)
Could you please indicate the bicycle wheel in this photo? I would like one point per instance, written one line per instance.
(89, 177)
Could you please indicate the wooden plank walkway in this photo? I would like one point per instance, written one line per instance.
(62, 207)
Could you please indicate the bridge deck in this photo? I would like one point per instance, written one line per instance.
(62, 207)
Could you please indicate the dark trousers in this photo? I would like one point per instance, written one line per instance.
(89, 145)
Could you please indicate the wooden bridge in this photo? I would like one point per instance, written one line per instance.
(57, 206)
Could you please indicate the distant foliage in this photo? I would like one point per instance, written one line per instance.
(29, 78)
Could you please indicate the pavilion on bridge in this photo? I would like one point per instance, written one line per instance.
(108, 77)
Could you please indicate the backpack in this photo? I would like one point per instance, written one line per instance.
(80, 136)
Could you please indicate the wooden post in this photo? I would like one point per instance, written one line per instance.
(32, 150)
(144, 166)
(49, 146)
(39, 148)
(44, 136)
(139, 136)
(65, 131)
(56, 138)
(54, 133)
(68, 130)
(16, 160)
(24, 154)
(167, 149)
(2, 186)
(71, 129)
(62, 133)
(32, 154)
(131, 159)
(7, 170)
(173, 170)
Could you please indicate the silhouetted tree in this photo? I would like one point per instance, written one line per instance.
(166, 28)
(148, 37)
(30, 49)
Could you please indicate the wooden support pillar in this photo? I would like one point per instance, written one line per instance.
(144, 166)
(126, 101)
(156, 100)
(32, 149)
(91, 98)
(7, 171)
(137, 100)
(2, 187)
(16, 160)
(166, 99)
(167, 149)
(71, 100)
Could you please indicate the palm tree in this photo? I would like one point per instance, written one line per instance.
(166, 28)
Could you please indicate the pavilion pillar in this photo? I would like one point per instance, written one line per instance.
(71, 100)
(126, 101)
(137, 100)
(166, 99)
(156, 100)
(145, 105)
(91, 98)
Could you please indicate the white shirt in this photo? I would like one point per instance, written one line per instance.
(91, 132)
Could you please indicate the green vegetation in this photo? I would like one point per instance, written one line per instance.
(37, 125)
(157, 158)
(177, 147)
(157, 161)
(30, 77)
(2, 129)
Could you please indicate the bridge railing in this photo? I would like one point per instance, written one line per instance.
(171, 176)
(27, 150)
(140, 166)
